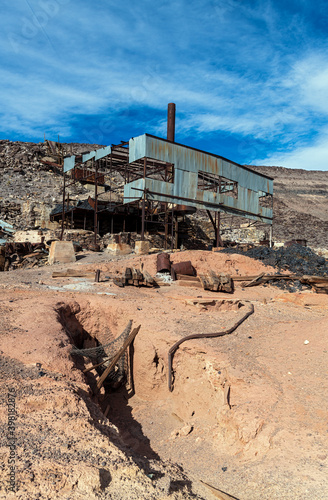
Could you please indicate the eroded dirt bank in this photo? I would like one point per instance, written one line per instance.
(247, 413)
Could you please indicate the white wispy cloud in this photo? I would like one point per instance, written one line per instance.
(253, 69)
(311, 157)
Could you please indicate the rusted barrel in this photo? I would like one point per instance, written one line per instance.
(185, 268)
(163, 263)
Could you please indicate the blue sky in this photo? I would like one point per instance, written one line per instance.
(249, 78)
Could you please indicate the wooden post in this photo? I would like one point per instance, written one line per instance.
(176, 229)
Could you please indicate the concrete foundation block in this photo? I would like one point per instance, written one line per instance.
(119, 249)
(142, 247)
(62, 252)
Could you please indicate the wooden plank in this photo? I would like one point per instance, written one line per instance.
(87, 370)
(194, 284)
(161, 283)
(256, 281)
(117, 357)
(185, 277)
(149, 279)
(267, 277)
(243, 278)
(203, 281)
(320, 287)
(314, 279)
(221, 495)
(72, 273)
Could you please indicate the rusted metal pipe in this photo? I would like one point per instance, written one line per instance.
(199, 336)
(171, 121)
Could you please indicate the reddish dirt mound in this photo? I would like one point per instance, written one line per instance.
(203, 261)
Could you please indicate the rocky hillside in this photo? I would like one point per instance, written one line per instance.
(30, 189)
(300, 204)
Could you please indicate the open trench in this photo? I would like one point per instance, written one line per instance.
(208, 414)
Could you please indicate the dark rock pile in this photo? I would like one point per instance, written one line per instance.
(296, 259)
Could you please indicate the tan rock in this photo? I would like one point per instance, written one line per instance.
(187, 429)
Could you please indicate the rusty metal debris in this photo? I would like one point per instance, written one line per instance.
(185, 268)
(199, 336)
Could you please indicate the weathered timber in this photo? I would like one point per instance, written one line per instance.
(217, 282)
(314, 279)
(150, 281)
(87, 370)
(72, 273)
(117, 356)
(132, 276)
(218, 493)
(256, 281)
(196, 284)
(320, 287)
(185, 277)
(266, 276)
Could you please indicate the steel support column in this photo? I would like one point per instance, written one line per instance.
(63, 209)
(96, 201)
(143, 204)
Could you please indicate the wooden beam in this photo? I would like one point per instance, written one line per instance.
(72, 273)
(117, 356)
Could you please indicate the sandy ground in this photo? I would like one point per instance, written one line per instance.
(247, 414)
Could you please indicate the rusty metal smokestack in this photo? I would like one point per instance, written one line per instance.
(170, 121)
